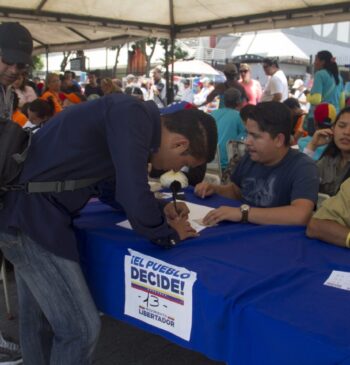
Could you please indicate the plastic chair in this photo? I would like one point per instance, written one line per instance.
(214, 167)
(235, 151)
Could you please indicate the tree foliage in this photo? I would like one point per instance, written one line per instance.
(38, 63)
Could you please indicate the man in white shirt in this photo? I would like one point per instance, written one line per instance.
(187, 93)
(277, 86)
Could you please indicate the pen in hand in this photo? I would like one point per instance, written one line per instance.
(175, 187)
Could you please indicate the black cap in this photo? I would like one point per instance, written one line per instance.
(16, 43)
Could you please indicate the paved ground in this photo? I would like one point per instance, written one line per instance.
(120, 343)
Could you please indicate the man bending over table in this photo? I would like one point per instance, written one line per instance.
(276, 184)
(113, 137)
(331, 223)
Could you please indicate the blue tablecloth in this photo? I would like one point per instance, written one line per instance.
(259, 297)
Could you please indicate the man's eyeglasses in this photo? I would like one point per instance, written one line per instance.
(243, 71)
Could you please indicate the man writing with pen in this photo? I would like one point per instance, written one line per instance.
(111, 139)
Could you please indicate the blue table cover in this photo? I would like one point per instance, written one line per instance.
(259, 297)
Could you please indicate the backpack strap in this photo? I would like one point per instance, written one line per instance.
(59, 186)
(21, 157)
(51, 186)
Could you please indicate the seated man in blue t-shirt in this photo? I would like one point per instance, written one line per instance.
(276, 184)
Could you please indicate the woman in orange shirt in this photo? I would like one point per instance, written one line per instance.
(53, 85)
(17, 116)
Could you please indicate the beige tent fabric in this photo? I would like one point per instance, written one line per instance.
(66, 24)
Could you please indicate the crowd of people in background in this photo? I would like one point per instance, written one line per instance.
(315, 125)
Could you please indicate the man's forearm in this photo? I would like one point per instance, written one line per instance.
(228, 191)
(327, 230)
(288, 215)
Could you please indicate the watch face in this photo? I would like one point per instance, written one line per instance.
(245, 207)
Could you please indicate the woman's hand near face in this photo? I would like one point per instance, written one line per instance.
(320, 138)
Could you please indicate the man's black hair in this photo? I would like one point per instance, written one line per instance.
(292, 103)
(272, 117)
(198, 127)
(271, 62)
(246, 111)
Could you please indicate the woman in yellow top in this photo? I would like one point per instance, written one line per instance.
(53, 85)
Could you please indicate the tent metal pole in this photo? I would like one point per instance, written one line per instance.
(47, 59)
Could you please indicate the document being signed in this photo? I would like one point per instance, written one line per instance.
(197, 213)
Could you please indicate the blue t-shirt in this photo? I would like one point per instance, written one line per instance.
(230, 126)
(324, 84)
(294, 177)
(303, 142)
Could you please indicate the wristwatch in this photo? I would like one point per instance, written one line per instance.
(245, 211)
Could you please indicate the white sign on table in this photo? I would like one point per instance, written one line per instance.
(339, 279)
(159, 293)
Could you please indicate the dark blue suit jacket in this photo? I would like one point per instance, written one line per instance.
(111, 137)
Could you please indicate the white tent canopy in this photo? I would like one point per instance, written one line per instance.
(194, 67)
(82, 24)
(285, 46)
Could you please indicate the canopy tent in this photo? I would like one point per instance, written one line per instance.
(194, 67)
(286, 46)
(83, 24)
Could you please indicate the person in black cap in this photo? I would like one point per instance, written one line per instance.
(16, 47)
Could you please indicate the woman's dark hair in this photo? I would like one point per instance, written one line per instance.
(23, 84)
(332, 149)
(272, 117)
(15, 101)
(198, 127)
(329, 64)
(43, 108)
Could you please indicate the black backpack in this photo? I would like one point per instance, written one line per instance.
(14, 147)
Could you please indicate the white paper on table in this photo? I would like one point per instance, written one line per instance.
(339, 279)
(197, 213)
